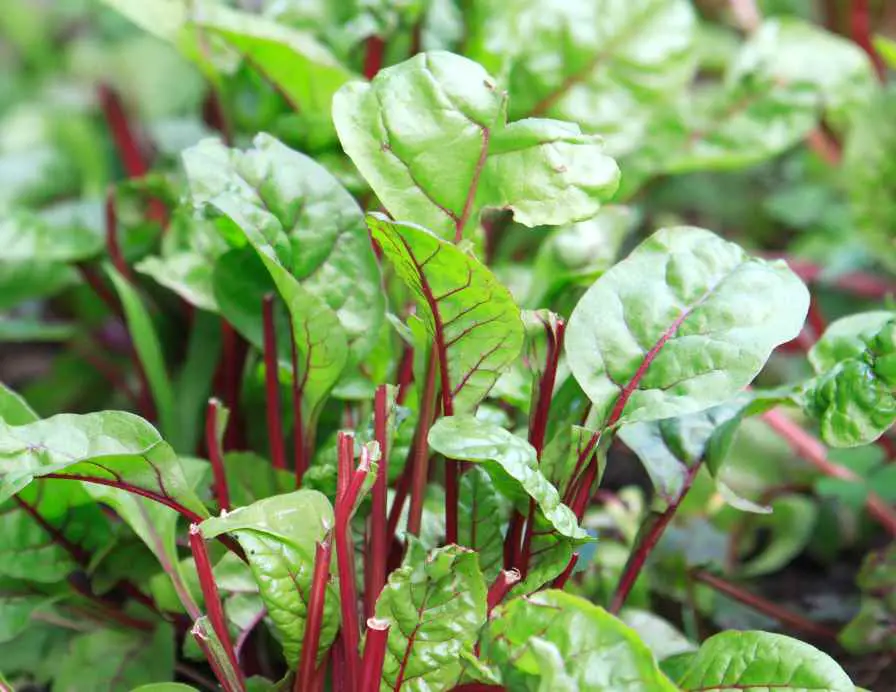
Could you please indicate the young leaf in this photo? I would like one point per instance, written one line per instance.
(791, 526)
(683, 323)
(113, 448)
(856, 400)
(621, 61)
(435, 605)
(510, 461)
(149, 350)
(546, 171)
(761, 661)
(116, 660)
(298, 216)
(598, 651)
(480, 517)
(473, 321)
(279, 535)
(847, 338)
(871, 629)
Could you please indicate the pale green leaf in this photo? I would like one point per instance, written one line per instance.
(430, 136)
(510, 460)
(683, 323)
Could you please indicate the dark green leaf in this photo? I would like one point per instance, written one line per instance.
(480, 517)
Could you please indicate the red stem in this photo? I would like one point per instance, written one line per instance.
(420, 460)
(860, 24)
(215, 455)
(374, 654)
(764, 606)
(373, 57)
(306, 672)
(93, 279)
(512, 540)
(348, 490)
(813, 451)
(272, 384)
(647, 542)
(112, 244)
(563, 577)
(501, 587)
(212, 598)
(405, 374)
(378, 543)
(129, 149)
(538, 421)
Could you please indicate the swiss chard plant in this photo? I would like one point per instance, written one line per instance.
(364, 346)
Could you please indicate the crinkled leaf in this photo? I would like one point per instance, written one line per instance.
(473, 321)
(279, 535)
(762, 661)
(684, 322)
(599, 652)
(435, 605)
(856, 400)
(111, 445)
(431, 138)
(116, 661)
(149, 350)
(480, 516)
(621, 61)
(847, 338)
(510, 460)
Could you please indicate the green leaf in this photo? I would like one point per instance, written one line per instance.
(847, 338)
(291, 209)
(29, 552)
(254, 190)
(149, 350)
(790, 526)
(27, 237)
(17, 603)
(621, 62)
(856, 400)
(868, 165)
(279, 535)
(546, 171)
(510, 461)
(887, 49)
(762, 661)
(33, 331)
(473, 321)
(112, 446)
(435, 605)
(662, 637)
(480, 516)
(251, 477)
(684, 322)
(21, 281)
(164, 687)
(195, 379)
(14, 410)
(598, 651)
(871, 629)
(112, 660)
